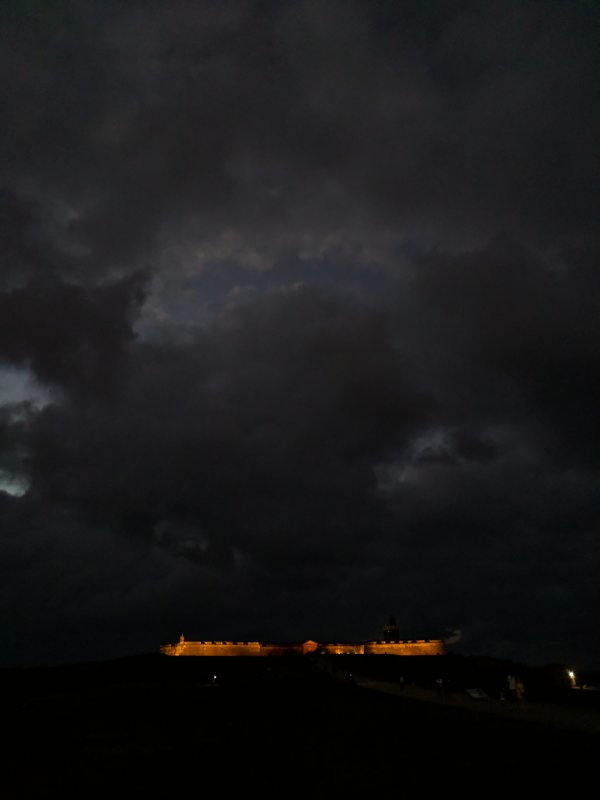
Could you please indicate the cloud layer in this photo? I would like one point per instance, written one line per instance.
(298, 325)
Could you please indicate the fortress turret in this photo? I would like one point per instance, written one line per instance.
(391, 632)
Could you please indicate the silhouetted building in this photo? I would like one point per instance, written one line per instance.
(391, 632)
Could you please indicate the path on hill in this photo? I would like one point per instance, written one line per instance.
(561, 716)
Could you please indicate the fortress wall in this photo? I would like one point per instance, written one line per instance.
(212, 649)
(281, 650)
(338, 648)
(416, 647)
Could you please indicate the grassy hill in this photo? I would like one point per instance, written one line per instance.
(157, 724)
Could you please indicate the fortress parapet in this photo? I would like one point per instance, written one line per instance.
(409, 647)
(208, 648)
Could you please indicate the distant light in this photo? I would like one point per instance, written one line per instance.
(571, 674)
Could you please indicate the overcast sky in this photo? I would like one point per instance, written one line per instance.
(299, 325)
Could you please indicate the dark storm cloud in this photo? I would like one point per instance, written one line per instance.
(303, 116)
(259, 436)
(525, 329)
(298, 322)
(67, 334)
(24, 252)
(248, 451)
(500, 497)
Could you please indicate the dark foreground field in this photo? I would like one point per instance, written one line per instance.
(280, 727)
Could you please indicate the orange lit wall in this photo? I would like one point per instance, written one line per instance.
(414, 647)
(184, 648)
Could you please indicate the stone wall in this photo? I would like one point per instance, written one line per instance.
(413, 647)
(340, 649)
(184, 648)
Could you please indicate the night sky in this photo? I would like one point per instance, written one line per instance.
(299, 325)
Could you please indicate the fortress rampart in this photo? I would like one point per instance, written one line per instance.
(407, 647)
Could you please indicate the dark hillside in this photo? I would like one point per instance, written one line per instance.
(279, 726)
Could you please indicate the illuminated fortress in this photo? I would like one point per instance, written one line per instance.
(389, 645)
